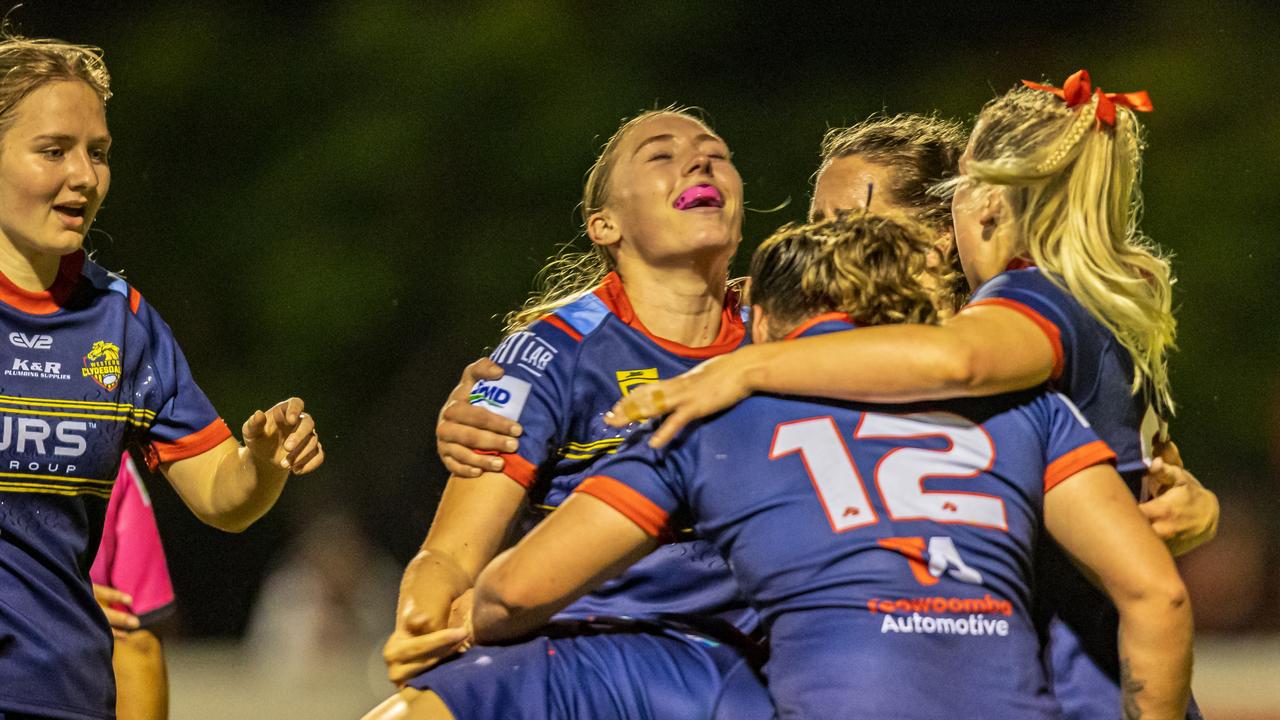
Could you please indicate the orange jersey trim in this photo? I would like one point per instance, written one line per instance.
(135, 299)
(1050, 330)
(50, 300)
(732, 331)
(1085, 456)
(563, 326)
(515, 467)
(824, 317)
(207, 438)
(639, 509)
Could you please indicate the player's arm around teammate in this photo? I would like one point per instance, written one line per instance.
(1006, 213)
(1089, 514)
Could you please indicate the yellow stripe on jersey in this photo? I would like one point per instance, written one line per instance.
(597, 445)
(85, 404)
(88, 416)
(64, 478)
(45, 489)
(586, 451)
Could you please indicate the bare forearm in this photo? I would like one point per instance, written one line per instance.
(227, 486)
(977, 353)
(244, 488)
(892, 364)
(142, 685)
(471, 524)
(1155, 658)
(496, 617)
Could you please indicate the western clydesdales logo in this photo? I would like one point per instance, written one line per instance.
(628, 379)
(103, 364)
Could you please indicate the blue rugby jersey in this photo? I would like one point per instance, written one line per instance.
(888, 549)
(88, 366)
(1096, 372)
(562, 375)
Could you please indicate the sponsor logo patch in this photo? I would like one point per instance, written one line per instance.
(505, 396)
(36, 369)
(629, 379)
(31, 342)
(102, 364)
(526, 350)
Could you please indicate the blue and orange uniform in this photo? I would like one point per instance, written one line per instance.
(89, 367)
(888, 548)
(562, 374)
(1096, 372)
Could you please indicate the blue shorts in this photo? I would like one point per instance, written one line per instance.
(615, 675)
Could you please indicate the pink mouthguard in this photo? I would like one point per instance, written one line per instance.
(699, 196)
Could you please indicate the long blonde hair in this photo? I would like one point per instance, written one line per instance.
(572, 272)
(1074, 187)
(871, 267)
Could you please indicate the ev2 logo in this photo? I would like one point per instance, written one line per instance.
(33, 342)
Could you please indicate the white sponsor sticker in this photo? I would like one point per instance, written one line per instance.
(505, 396)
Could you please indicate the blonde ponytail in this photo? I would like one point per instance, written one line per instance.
(1074, 185)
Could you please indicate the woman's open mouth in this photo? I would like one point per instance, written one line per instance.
(71, 215)
(699, 196)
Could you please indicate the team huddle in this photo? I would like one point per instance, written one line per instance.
(914, 467)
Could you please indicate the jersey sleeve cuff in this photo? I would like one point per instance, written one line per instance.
(515, 467)
(639, 509)
(151, 618)
(1085, 456)
(207, 438)
(1046, 326)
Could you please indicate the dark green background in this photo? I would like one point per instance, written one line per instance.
(337, 201)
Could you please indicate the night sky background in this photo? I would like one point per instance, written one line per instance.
(338, 200)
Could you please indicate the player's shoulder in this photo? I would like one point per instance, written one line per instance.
(110, 286)
(581, 318)
(1021, 280)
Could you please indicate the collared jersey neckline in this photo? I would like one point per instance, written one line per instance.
(732, 331)
(51, 299)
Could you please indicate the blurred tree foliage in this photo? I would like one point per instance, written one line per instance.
(337, 201)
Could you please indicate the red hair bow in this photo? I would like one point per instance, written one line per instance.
(1077, 91)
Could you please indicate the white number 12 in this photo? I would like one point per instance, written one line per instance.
(900, 473)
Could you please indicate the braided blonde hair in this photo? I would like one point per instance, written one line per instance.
(1074, 187)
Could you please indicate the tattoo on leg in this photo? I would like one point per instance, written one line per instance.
(1130, 687)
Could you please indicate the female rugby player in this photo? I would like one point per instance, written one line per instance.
(663, 208)
(889, 548)
(93, 368)
(1068, 291)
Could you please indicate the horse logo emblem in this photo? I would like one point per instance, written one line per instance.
(102, 364)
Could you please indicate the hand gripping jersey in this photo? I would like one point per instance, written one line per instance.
(88, 366)
(562, 375)
(130, 557)
(1096, 372)
(888, 549)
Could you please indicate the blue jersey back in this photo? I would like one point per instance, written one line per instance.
(562, 375)
(1096, 372)
(88, 366)
(889, 550)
